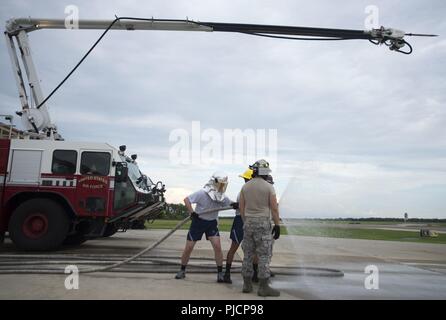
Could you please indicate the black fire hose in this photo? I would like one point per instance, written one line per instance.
(157, 264)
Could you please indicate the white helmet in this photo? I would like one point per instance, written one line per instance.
(216, 187)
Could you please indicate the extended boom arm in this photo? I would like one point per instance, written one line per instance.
(36, 117)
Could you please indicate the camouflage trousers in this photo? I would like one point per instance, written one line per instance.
(257, 239)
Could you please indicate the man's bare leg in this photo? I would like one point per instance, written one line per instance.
(185, 258)
(216, 244)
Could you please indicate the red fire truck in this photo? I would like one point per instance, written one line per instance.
(53, 191)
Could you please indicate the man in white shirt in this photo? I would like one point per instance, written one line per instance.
(211, 196)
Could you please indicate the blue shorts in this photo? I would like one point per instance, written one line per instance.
(237, 230)
(200, 226)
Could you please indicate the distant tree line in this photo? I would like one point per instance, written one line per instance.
(177, 211)
(173, 211)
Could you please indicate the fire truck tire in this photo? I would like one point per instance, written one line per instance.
(110, 230)
(38, 225)
(75, 239)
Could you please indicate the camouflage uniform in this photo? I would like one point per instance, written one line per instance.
(257, 239)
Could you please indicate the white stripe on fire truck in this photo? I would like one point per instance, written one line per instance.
(112, 184)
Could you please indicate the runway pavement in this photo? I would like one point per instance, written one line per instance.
(405, 271)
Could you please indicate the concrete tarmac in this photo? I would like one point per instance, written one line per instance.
(405, 271)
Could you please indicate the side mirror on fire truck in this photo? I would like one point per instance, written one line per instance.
(121, 172)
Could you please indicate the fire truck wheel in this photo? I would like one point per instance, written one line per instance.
(38, 224)
(110, 230)
(75, 239)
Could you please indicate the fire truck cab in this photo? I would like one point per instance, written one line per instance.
(54, 192)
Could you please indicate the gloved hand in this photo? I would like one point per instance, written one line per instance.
(234, 205)
(194, 215)
(276, 232)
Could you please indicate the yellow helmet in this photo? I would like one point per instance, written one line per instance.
(247, 174)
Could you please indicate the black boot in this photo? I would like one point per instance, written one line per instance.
(255, 276)
(227, 277)
(181, 274)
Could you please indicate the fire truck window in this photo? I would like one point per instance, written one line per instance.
(64, 162)
(95, 163)
(125, 195)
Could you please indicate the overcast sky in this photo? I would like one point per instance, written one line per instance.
(361, 130)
